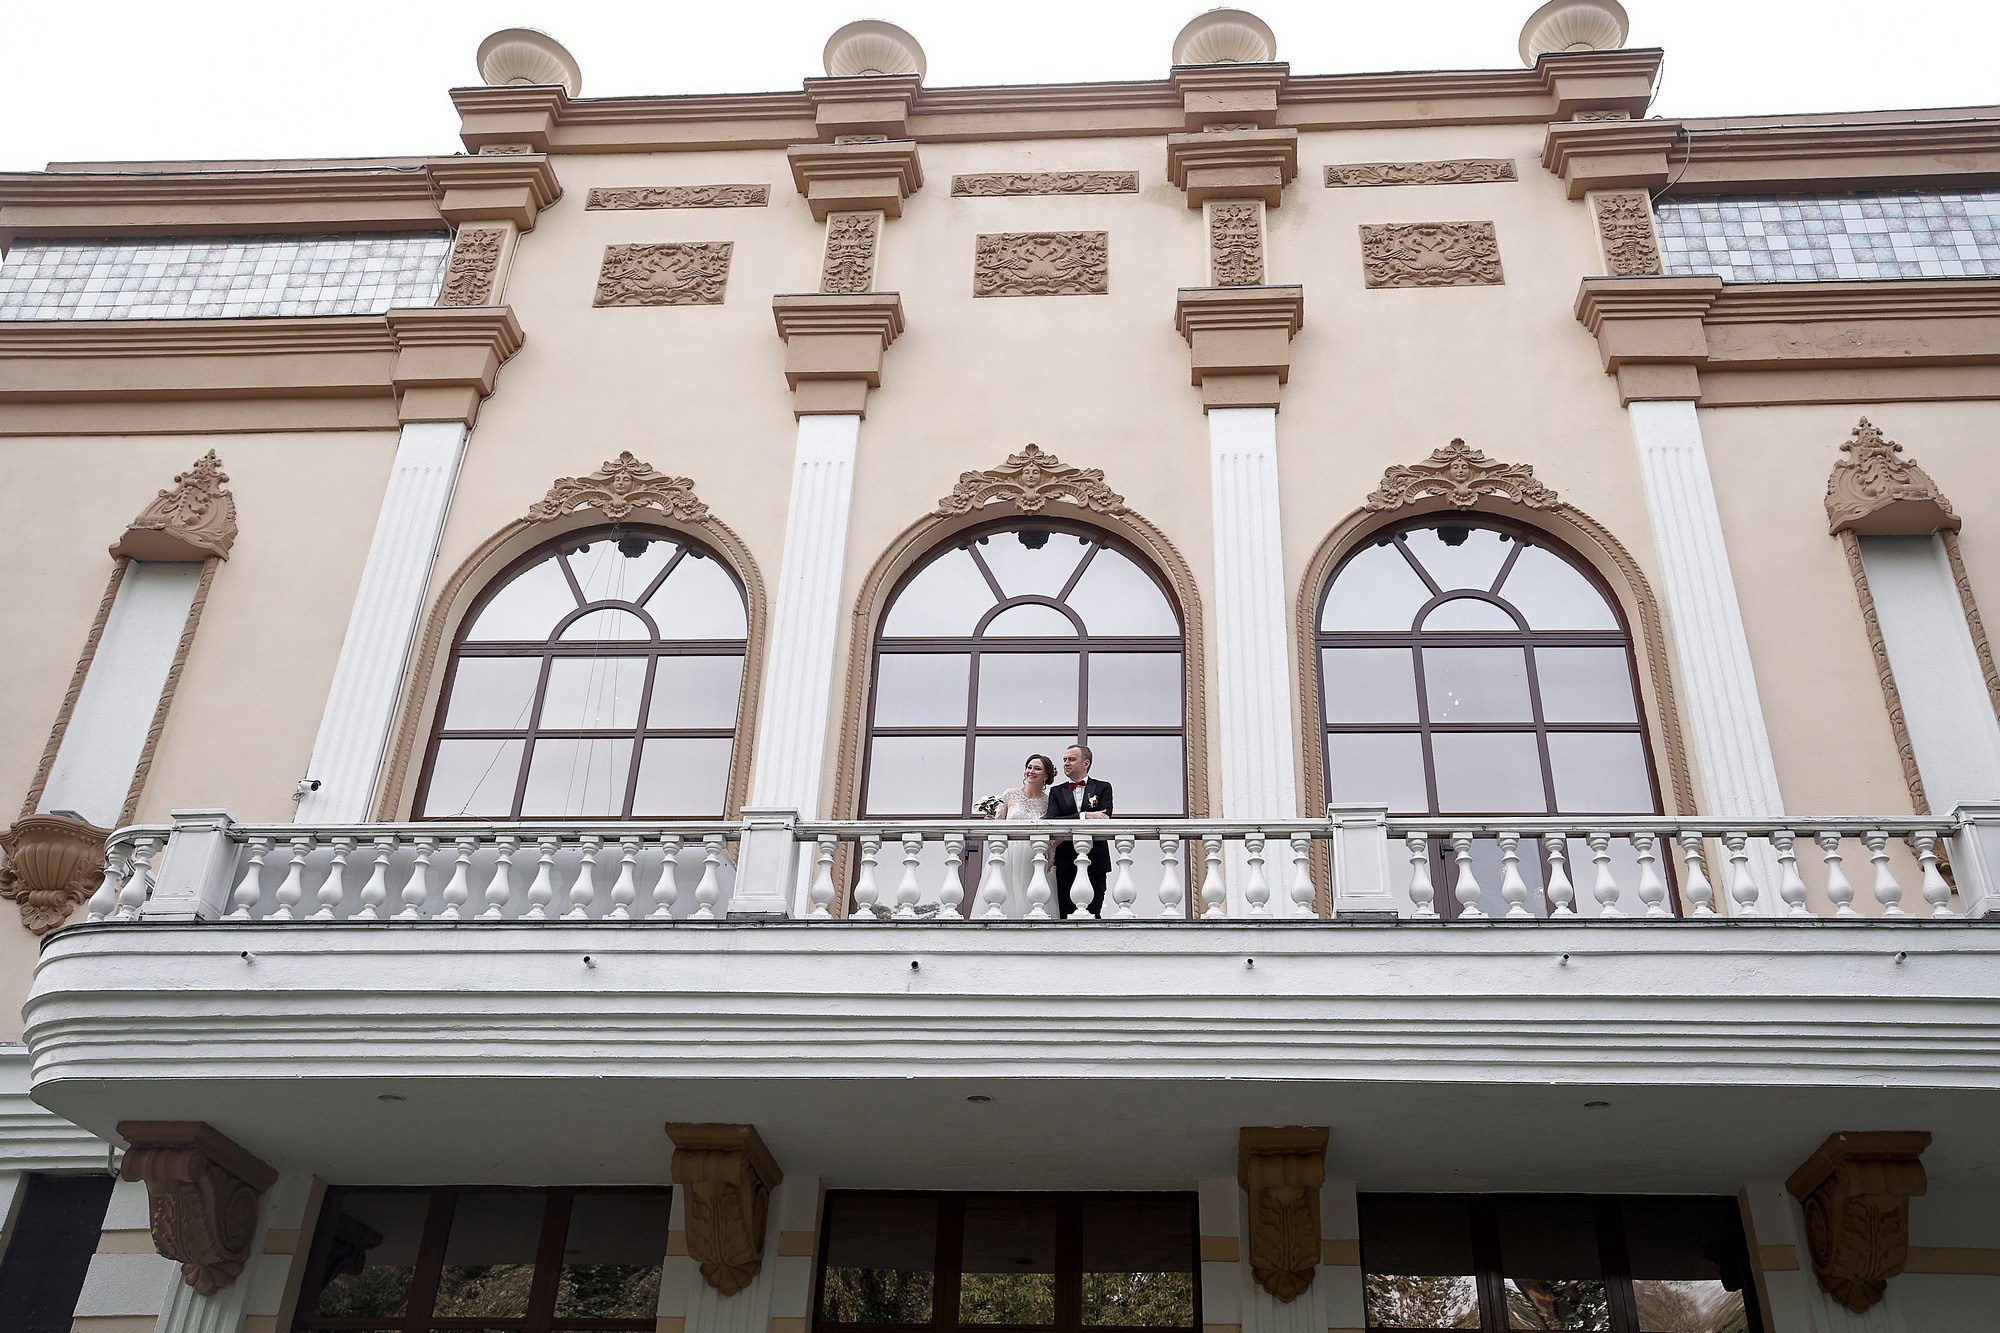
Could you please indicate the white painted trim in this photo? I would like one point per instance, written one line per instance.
(35, 1139)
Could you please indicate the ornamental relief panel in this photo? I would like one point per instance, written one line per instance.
(679, 196)
(1045, 182)
(1430, 254)
(850, 252)
(1236, 245)
(475, 261)
(1042, 263)
(1463, 171)
(1625, 225)
(678, 273)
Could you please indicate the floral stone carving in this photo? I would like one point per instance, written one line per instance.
(679, 196)
(1856, 1192)
(475, 259)
(1461, 476)
(193, 519)
(1236, 245)
(1045, 182)
(204, 1190)
(1282, 1171)
(1464, 171)
(727, 1174)
(680, 273)
(54, 863)
(850, 252)
(1028, 481)
(1625, 225)
(1876, 492)
(617, 489)
(1042, 263)
(1430, 254)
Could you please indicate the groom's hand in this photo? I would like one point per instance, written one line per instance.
(1095, 814)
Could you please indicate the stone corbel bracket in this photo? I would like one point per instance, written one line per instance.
(856, 177)
(1233, 164)
(447, 358)
(203, 1189)
(833, 346)
(505, 188)
(1282, 1171)
(1239, 341)
(54, 863)
(1856, 1192)
(727, 1175)
(1234, 94)
(863, 105)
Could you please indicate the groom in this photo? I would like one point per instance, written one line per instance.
(1080, 796)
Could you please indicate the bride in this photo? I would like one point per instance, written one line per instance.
(1029, 801)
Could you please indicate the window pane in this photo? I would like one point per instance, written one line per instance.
(1469, 614)
(1146, 773)
(1494, 773)
(593, 693)
(473, 778)
(1030, 620)
(1600, 771)
(922, 689)
(699, 600)
(1689, 1264)
(1376, 590)
(1549, 1259)
(879, 1253)
(916, 775)
(997, 761)
(1135, 689)
(1008, 1273)
(1369, 684)
(695, 692)
(1688, 1306)
(492, 693)
(607, 574)
(945, 599)
(607, 625)
(577, 777)
(366, 1266)
(1473, 562)
(612, 1255)
(53, 1234)
(1553, 594)
(1028, 689)
(1585, 685)
(687, 776)
(1116, 598)
(1477, 685)
(528, 607)
(489, 1262)
(1416, 1254)
(1377, 768)
(1038, 571)
(1138, 1262)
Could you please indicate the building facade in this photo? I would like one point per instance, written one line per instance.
(501, 837)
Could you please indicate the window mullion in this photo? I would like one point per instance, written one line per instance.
(548, 1260)
(430, 1259)
(1617, 1263)
(1486, 1263)
(1069, 1265)
(950, 1254)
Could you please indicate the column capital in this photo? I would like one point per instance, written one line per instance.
(833, 346)
(1239, 341)
(1232, 94)
(447, 358)
(510, 187)
(862, 104)
(1650, 331)
(869, 176)
(1233, 164)
(204, 1189)
(1610, 154)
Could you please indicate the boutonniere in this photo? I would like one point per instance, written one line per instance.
(1092, 803)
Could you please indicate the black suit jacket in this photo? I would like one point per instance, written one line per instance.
(1062, 802)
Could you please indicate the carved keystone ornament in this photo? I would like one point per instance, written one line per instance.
(193, 519)
(727, 1174)
(622, 485)
(1856, 1192)
(203, 1189)
(1877, 493)
(1282, 1170)
(1028, 481)
(1461, 476)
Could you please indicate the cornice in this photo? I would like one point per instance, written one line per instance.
(879, 314)
(1233, 164)
(511, 187)
(856, 177)
(1610, 154)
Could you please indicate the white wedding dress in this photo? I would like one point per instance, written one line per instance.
(1017, 806)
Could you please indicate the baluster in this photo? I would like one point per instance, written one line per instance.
(1040, 892)
(1838, 891)
(1513, 889)
(708, 889)
(992, 901)
(500, 889)
(1214, 893)
(1466, 890)
(1742, 888)
(1791, 887)
(375, 889)
(866, 891)
(117, 864)
(292, 889)
(1652, 889)
(1081, 890)
(1124, 888)
(542, 889)
(1301, 889)
(1256, 888)
(251, 888)
(583, 889)
(334, 887)
(138, 886)
(908, 892)
(1699, 893)
(667, 890)
(820, 895)
(1887, 891)
(625, 889)
(417, 888)
(458, 889)
(1423, 893)
(951, 890)
(1936, 892)
(1562, 893)
(1173, 891)
(1605, 886)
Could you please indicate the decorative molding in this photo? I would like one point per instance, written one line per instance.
(1239, 341)
(678, 196)
(167, 691)
(505, 149)
(1281, 1170)
(1042, 263)
(1892, 698)
(727, 1174)
(673, 273)
(1028, 481)
(193, 519)
(1625, 227)
(1461, 476)
(1457, 171)
(622, 485)
(1614, 114)
(475, 263)
(851, 239)
(1229, 163)
(1856, 1190)
(1876, 493)
(54, 863)
(204, 1190)
(76, 679)
(1980, 643)
(856, 177)
(1236, 244)
(1430, 254)
(987, 184)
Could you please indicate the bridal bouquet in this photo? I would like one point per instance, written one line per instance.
(986, 805)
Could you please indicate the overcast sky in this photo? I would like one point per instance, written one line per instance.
(95, 80)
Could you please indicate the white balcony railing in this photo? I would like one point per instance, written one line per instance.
(1361, 862)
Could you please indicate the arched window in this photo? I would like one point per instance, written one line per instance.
(1473, 666)
(598, 677)
(1018, 640)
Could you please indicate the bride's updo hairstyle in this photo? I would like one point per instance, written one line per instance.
(1048, 767)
